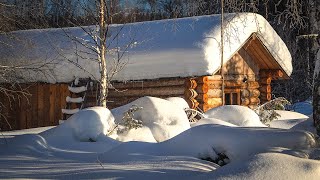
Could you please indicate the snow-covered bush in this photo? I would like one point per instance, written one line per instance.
(194, 115)
(267, 111)
(129, 121)
(164, 118)
(237, 115)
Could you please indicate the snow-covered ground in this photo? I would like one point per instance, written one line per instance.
(166, 147)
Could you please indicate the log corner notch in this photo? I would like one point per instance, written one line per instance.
(204, 92)
(266, 76)
(190, 93)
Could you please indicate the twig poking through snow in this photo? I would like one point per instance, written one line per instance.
(128, 118)
(194, 115)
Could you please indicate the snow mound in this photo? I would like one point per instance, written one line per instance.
(287, 119)
(237, 115)
(212, 121)
(86, 125)
(207, 141)
(164, 118)
(307, 125)
(179, 102)
(140, 134)
(268, 166)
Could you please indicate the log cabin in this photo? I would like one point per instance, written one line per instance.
(166, 58)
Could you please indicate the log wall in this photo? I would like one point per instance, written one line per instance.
(125, 92)
(42, 107)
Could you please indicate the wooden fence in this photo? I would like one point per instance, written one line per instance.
(42, 107)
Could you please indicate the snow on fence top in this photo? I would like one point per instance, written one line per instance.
(154, 49)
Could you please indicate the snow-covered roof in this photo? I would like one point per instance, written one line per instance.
(155, 49)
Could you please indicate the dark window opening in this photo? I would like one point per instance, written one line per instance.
(232, 98)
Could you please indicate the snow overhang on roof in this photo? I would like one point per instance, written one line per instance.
(155, 49)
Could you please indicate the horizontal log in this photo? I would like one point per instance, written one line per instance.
(254, 101)
(246, 93)
(273, 73)
(247, 85)
(139, 92)
(192, 103)
(190, 84)
(265, 89)
(212, 93)
(164, 82)
(265, 80)
(240, 78)
(190, 94)
(210, 100)
(205, 79)
(202, 88)
(265, 97)
(205, 107)
(245, 101)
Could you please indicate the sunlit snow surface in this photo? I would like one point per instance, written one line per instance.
(66, 151)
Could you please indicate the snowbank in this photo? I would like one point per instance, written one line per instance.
(207, 141)
(86, 125)
(181, 47)
(237, 115)
(164, 118)
(287, 119)
(181, 102)
(268, 166)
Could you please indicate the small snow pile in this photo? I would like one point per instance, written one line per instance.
(237, 115)
(287, 119)
(179, 102)
(268, 166)
(86, 125)
(164, 118)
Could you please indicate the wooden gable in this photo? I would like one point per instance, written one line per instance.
(261, 56)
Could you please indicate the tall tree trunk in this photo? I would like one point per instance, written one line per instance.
(316, 94)
(102, 55)
(315, 29)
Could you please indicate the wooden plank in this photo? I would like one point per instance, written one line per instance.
(34, 105)
(46, 101)
(52, 96)
(41, 104)
(29, 107)
(7, 122)
(57, 104)
(23, 113)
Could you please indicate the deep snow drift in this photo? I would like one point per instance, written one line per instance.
(78, 148)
